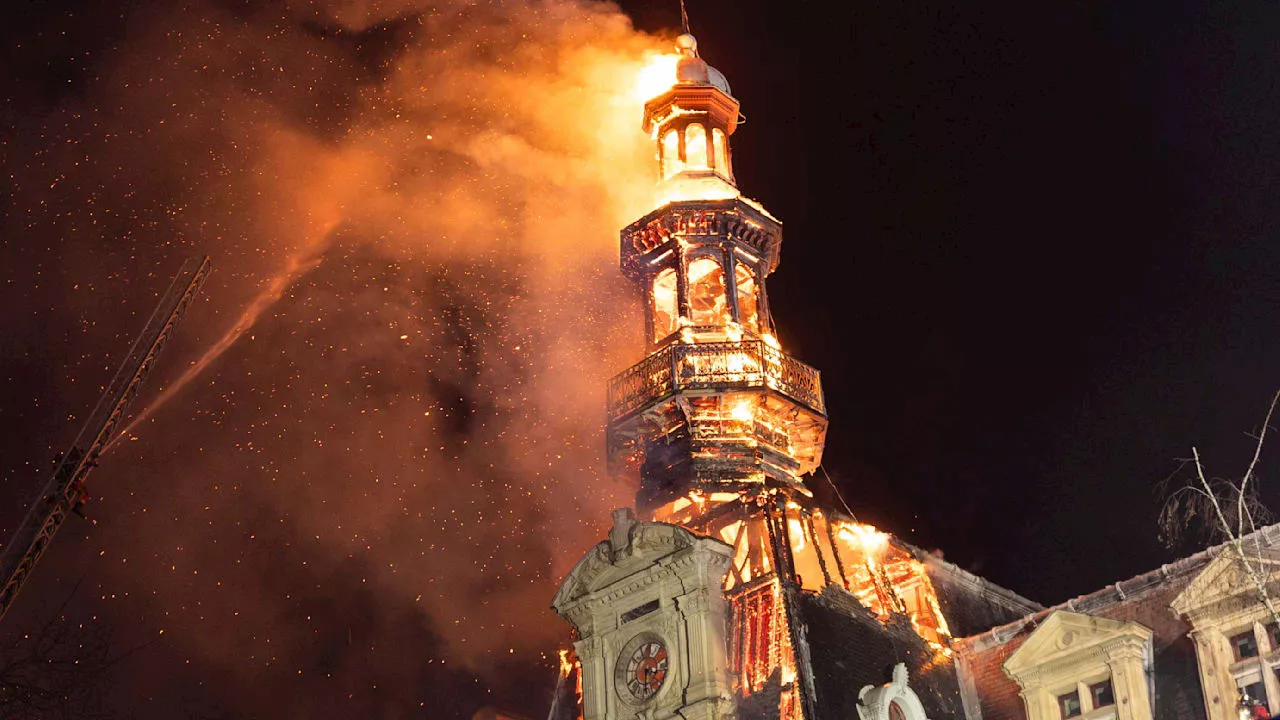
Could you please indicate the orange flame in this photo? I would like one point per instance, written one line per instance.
(566, 665)
(871, 540)
(656, 77)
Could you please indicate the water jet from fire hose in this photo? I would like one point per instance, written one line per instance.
(301, 263)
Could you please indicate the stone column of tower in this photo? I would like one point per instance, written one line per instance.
(717, 425)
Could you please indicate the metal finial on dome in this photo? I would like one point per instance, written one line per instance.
(693, 69)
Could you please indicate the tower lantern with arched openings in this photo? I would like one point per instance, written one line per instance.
(691, 124)
(717, 405)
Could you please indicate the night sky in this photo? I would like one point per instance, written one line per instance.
(1033, 248)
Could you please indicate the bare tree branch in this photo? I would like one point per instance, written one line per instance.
(58, 671)
(1203, 503)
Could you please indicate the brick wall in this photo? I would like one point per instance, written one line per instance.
(1177, 686)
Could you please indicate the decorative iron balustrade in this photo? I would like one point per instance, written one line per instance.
(711, 366)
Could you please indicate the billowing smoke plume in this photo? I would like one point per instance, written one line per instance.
(389, 449)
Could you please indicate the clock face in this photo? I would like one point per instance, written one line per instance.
(646, 670)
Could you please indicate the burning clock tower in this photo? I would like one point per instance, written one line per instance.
(718, 428)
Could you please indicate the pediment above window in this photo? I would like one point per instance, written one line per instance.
(1225, 585)
(1067, 639)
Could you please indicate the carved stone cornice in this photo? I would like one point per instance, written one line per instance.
(653, 554)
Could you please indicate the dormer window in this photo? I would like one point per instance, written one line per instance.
(1102, 694)
(1088, 701)
(1069, 705)
(1253, 661)
(1244, 645)
(1235, 645)
(1073, 666)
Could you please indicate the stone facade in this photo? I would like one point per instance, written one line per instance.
(1176, 643)
(649, 613)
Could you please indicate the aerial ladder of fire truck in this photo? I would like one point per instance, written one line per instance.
(64, 492)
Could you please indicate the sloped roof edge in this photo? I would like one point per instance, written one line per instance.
(1268, 537)
(997, 593)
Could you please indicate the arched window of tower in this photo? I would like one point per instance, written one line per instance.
(707, 301)
(671, 162)
(720, 151)
(695, 147)
(748, 311)
(666, 307)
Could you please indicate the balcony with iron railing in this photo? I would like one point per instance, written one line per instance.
(746, 365)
